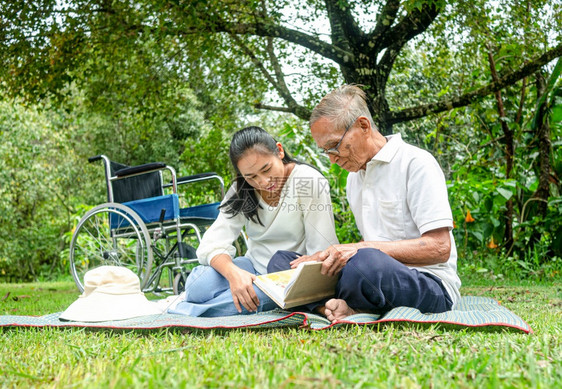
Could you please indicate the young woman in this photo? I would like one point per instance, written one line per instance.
(281, 203)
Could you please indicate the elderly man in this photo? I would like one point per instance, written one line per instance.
(398, 195)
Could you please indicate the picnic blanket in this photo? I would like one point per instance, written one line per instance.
(471, 311)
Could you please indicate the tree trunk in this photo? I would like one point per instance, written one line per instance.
(545, 148)
(509, 151)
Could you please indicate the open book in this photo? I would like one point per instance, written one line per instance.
(294, 287)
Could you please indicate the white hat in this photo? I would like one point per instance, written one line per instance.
(110, 293)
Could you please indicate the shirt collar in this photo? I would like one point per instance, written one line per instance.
(389, 150)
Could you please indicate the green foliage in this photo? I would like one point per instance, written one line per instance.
(209, 152)
(471, 144)
(154, 80)
(479, 187)
(134, 135)
(47, 184)
(483, 200)
(39, 184)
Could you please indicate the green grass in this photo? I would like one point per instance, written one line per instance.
(387, 356)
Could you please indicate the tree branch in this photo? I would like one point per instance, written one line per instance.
(301, 112)
(519, 115)
(385, 19)
(280, 85)
(343, 25)
(272, 108)
(414, 23)
(508, 147)
(278, 82)
(325, 49)
(255, 60)
(464, 100)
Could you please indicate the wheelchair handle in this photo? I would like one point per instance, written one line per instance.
(95, 158)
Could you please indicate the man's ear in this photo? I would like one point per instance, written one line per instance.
(365, 125)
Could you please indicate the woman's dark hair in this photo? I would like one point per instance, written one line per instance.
(245, 199)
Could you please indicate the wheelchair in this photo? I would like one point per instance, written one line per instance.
(143, 227)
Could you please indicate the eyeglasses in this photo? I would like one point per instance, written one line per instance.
(334, 150)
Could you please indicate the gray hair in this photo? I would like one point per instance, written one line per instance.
(343, 105)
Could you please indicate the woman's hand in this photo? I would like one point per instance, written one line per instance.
(242, 288)
(334, 258)
(241, 282)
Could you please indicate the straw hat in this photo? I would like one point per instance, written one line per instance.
(110, 293)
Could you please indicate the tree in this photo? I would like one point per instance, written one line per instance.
(148, 75)
(45, 43)
(40, 181)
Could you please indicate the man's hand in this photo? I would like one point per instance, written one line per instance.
(242, 288)
(337, 257)
(317, 257)
(334, 258)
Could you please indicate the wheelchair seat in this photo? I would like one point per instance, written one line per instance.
(202, 214)
(163, 209)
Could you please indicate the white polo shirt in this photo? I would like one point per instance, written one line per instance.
(401, 195)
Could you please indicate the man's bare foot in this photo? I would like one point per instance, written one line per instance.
(337, 309)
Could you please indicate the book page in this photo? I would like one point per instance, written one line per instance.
(275, 284)
(281, 278)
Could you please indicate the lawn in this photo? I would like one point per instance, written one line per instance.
(387, 356)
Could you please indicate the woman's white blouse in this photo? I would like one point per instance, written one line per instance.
(303, 221)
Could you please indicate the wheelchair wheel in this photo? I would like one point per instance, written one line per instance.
(110, 234)
(179, 282)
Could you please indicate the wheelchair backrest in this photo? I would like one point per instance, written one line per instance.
(132, 188)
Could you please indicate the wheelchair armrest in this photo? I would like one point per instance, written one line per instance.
(197, 177)
(200, 177)
(133, 170)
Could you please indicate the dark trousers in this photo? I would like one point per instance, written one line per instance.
(374, 282)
